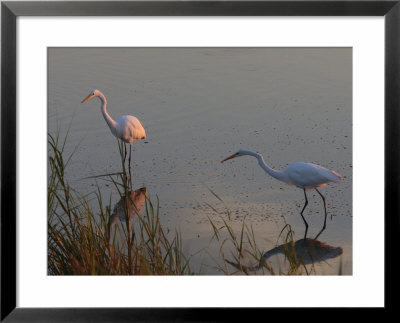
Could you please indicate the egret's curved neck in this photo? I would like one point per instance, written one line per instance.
(111, 123)
(274, 173)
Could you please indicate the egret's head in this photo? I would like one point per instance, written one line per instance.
(91, 95)
(240, 152)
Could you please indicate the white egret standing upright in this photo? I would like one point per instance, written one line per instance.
(303, 175)
(127, 128)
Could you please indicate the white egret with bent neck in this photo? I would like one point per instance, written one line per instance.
(303, 175)
(127, 128)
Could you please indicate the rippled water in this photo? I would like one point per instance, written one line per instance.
(200, 105)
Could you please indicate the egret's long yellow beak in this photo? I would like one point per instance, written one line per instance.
(230, 157)
(87, 98)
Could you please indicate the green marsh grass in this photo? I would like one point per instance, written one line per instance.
(80, 240)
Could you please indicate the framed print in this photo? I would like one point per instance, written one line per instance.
(122, 127)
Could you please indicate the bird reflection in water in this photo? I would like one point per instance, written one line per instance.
(134, 206)
(304, 251)
(307, 251)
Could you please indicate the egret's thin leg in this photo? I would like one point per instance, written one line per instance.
(323, 228)
(130, 153)
(125, 152)
(301, 213)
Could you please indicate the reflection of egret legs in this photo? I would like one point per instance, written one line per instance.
(301, 213)
(323, 228)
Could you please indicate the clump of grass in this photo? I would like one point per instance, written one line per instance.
(238, 249)
(81, 241)
(289, 250)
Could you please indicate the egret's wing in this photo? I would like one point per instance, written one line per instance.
(129, 129)
(308, 175)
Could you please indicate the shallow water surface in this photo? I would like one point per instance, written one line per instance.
(200, 105)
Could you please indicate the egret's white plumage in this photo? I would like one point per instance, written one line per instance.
(303, 175)
(308, 175)
(127, 128)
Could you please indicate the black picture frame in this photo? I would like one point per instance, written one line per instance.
(10, 11)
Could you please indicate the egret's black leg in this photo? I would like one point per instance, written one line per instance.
(323, 228)
(301, 213)
(125, 152)
(130, 153)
